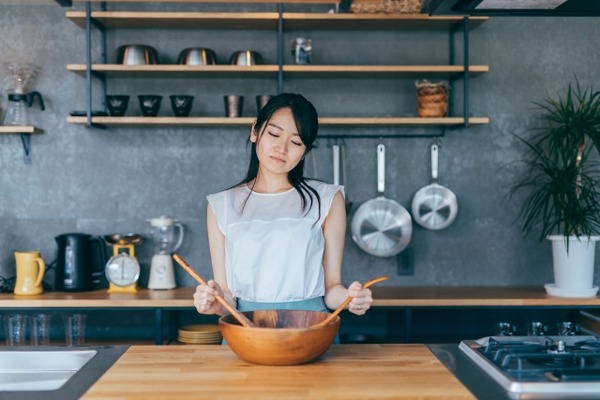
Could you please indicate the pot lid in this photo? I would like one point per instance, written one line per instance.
(163, 220)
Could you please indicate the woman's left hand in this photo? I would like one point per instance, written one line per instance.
(361, 299)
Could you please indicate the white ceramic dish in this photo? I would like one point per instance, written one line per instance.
(552, 290)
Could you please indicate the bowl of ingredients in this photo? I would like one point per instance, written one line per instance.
(281, 337)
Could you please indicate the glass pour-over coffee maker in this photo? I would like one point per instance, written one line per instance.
(19, 78)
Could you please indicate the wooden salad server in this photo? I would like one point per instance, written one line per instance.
(347, 301)
(242, 319)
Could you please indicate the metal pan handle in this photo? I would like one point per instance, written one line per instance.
(434, 162)
(336, 164)
(380, 168)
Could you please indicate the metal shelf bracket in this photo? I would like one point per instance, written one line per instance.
(26, 140)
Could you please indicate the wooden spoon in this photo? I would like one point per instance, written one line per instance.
(347, 301)
(242, 319)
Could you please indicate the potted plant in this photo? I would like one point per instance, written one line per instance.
(562, 180)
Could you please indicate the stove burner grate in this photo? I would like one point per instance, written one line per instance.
(548, 367)
(527, 356)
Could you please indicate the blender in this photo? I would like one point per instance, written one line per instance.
(167, 233)
(19, 78)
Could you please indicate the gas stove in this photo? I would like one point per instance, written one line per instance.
(540, 367)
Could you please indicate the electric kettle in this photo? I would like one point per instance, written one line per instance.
(80, 262)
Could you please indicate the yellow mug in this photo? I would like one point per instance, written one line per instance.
(30, 272)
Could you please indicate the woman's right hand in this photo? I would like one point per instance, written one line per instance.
(205, 300)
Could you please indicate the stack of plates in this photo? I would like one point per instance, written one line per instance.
(200, 334)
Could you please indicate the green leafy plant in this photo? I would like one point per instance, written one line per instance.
(562, 175)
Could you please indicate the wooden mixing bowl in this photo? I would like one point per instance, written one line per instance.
(281, 337)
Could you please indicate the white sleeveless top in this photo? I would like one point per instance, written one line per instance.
(273, 249)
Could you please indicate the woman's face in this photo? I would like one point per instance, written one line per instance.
(279, 147)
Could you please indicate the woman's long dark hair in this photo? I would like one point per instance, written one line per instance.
(307, 123)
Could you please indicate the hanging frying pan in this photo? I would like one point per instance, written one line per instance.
(434, 206)
(381, 226)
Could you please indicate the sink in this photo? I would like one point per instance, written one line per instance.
(40, 370)
(53, 372)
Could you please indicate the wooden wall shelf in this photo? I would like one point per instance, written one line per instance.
(278, 22)
(214, 1)
(261, 71)
(21, 129)
(268, 20)
(176, 71)
(247, 121)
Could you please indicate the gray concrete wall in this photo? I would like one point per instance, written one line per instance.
(107, 181)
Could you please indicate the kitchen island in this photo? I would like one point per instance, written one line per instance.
(367, 371)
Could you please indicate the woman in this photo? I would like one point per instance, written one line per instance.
(277, 239)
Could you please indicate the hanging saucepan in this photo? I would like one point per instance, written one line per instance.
(381, 226)
(434, 206)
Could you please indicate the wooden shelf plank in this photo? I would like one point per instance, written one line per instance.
(173, 121)
(180, 20)
(351, 21)
(247, 121)
(314, 71)
(269, 20)
(401, 121)
(20, 129)
(369, 71)
(214, 1)
(175, 70)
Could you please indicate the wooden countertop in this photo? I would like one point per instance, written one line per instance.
(366, 371)
(436, 296)
(385, 296)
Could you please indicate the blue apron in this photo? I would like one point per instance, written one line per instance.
(314, 304)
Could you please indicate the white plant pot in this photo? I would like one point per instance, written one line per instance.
(573, 269)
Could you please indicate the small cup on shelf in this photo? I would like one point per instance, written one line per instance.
(261, 101)
(117, 104)
(149, 104)
(234, 105)
(302, 50)
(181, 104)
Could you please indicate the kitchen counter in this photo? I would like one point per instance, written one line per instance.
(397, 304)
(367, 371)
(384, 296)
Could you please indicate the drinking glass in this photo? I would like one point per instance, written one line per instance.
(15, 329)
(75, 329)
(40, 329)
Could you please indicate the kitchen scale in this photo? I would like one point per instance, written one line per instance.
(123, 269)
